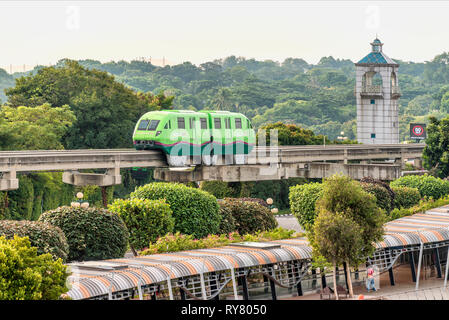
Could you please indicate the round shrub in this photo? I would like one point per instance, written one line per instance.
(428, 186)
(302, 202)
(227, 223)
(25, 275)
(195, 211)
(406, 197)
(92, 233)
(145, 219)
(262, 202)
(249, 216)
(46, 237)
(383, 199)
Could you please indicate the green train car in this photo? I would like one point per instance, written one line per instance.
(188, 137)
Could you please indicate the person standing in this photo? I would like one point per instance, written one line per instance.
(370, 279)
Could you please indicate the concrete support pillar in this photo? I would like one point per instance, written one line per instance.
(299, 288)
(244, 288)
(9, 181)
(438, 263)
(417, 163)
(391, 274)
(112, 177)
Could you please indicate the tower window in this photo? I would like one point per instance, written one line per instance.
(373, 101)
(373, 135)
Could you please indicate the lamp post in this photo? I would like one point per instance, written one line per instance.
(273, 209)
(342, 137)
(80, 202)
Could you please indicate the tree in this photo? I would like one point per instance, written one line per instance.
(344, 196)
(106, 111)
(436, 152)
(337, 238)
(34, 128)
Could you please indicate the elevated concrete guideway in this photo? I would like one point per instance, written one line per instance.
(264, 163)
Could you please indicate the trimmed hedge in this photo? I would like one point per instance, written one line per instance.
(195, 211)
(422, 206)
(145, 219)
(262, 202)
(92, 233)
(406, 197)
(249, 216)
(46, 237)
(219, 189)
(25, 275)
(428, 186)
(302, 202)
(180, 242)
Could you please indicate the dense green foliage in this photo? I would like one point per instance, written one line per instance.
(422, 206)
(181, 242)
(219, 189)
(383, 198)
(25, 275)
(227, 222)
(406, 197)
(195, 211)
(436, 152)
(343, 195)
(44, 236)
(106, 111)
(249, 216)
(92, 233)
(38, 193)
(428, 186)
(146, 220)
(302, 202)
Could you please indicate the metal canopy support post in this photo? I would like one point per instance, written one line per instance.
(234, 285)
(447, 266)
(265, 283)
(170, 289)
(412, 265)
(421, 249)
(245, 288)
(323, 279)
(314, 278)
(203, 286)
(391, 275)
(438, 263)
(272, 286)
(299, 288)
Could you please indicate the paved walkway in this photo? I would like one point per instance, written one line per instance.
(430, 288)
(289, 222)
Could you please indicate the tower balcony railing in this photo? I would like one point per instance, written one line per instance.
(371, 90)
(395, 91)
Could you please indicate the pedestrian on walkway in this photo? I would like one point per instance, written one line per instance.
(370, 279)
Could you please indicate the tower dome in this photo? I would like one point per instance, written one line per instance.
(376, 56)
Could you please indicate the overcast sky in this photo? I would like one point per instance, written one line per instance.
(45, 31)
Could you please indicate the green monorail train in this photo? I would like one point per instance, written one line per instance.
(189, 137)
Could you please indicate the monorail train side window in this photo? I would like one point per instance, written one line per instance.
(203, 123)
(153, 125)
(228, 123)
(238, 123)
(192, 123)
(143, 124)
(181, 123)
(168, 125)
(217, 123)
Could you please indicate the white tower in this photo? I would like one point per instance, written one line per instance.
(377, 93)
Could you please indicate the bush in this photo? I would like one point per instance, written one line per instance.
(406, 197)
(422, 206)
(25, 275)
(181, 242)
(195, 211)
(146, 220)
(383, 199)
(249, 216)
(227, 223)
(44, 236)
(92, 233)
(302, 202)
(428, 186)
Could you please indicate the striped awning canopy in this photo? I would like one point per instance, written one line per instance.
(432, 226)
(96, 278)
